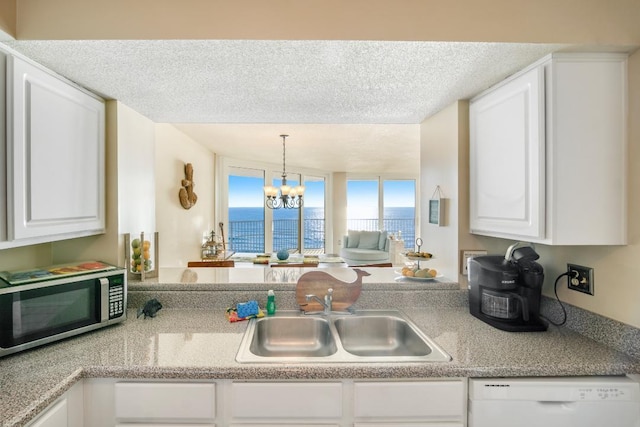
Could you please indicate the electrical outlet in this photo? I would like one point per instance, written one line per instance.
(580, 278)
(464, 259)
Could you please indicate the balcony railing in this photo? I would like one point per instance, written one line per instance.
(248, 236)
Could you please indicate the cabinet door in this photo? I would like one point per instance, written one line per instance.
(507, 161)
(55, 151)
(56, 416)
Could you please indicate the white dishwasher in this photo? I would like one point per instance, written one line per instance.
(554, 402)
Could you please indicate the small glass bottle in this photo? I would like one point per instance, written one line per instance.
(271, 302)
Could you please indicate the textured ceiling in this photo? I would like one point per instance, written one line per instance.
(335, 84)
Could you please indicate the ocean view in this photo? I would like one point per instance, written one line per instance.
(246, 227)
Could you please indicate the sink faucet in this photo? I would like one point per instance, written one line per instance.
(327, 303)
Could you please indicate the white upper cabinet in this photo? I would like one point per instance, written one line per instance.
(548, 153)
(55, 157)
(507, 158)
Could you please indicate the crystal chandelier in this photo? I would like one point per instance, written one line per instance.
(286, 196)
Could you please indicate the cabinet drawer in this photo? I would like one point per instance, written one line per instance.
(165, 401)
(430, 400)
(286, 400)
(408, 425)
(170, 425)
(309, 424)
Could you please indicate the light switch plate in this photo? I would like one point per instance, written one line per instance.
(464, 258)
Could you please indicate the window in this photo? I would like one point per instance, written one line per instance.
(286, 222)
(246, 210)
(253, 228)
(362, 205)
(314, 215)
(399, 209)
(383, 204)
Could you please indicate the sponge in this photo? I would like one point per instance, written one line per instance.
(246, 309)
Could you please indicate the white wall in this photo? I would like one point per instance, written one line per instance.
(181, 229)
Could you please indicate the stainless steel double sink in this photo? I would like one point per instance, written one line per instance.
(366, 336)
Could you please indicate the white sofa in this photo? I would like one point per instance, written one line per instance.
(365, 247)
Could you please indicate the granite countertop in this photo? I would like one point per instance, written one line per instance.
(200, 343)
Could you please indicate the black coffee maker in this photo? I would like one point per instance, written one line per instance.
(504, 291)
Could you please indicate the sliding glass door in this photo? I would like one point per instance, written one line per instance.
(254, 228)
(246, 210)
(314, 215)
(285, 224)
(399, 209)
(383, 204)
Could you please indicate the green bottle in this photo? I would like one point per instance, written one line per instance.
(271, 302)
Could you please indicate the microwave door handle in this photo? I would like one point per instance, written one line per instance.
(104, 299)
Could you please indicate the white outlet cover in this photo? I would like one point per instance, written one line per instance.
(464, 259)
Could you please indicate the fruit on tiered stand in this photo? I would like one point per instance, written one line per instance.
(408, 271)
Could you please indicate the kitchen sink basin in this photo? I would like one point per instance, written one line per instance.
(380, 336)
(366, 336)
(292, 337)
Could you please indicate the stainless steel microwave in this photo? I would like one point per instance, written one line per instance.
(58, 304)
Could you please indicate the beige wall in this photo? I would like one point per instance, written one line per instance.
(25, 257)
(567, 21)
(617, 268)
(136, 171)
(444, 154)
(339, 211)
(7, 19)
(181, 229)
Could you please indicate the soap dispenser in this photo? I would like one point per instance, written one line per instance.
(271, 302)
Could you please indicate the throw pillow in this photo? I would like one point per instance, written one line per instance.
(369, 240)
(382, 242)
(353, 239)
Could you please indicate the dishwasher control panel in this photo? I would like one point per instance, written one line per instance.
(604, 393)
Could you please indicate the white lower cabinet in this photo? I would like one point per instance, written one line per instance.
(294, 403)
(66, 411)
(56, 416)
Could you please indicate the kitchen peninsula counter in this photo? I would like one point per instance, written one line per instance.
(190, 338)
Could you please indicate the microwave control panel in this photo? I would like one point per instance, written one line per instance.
(116, 297)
